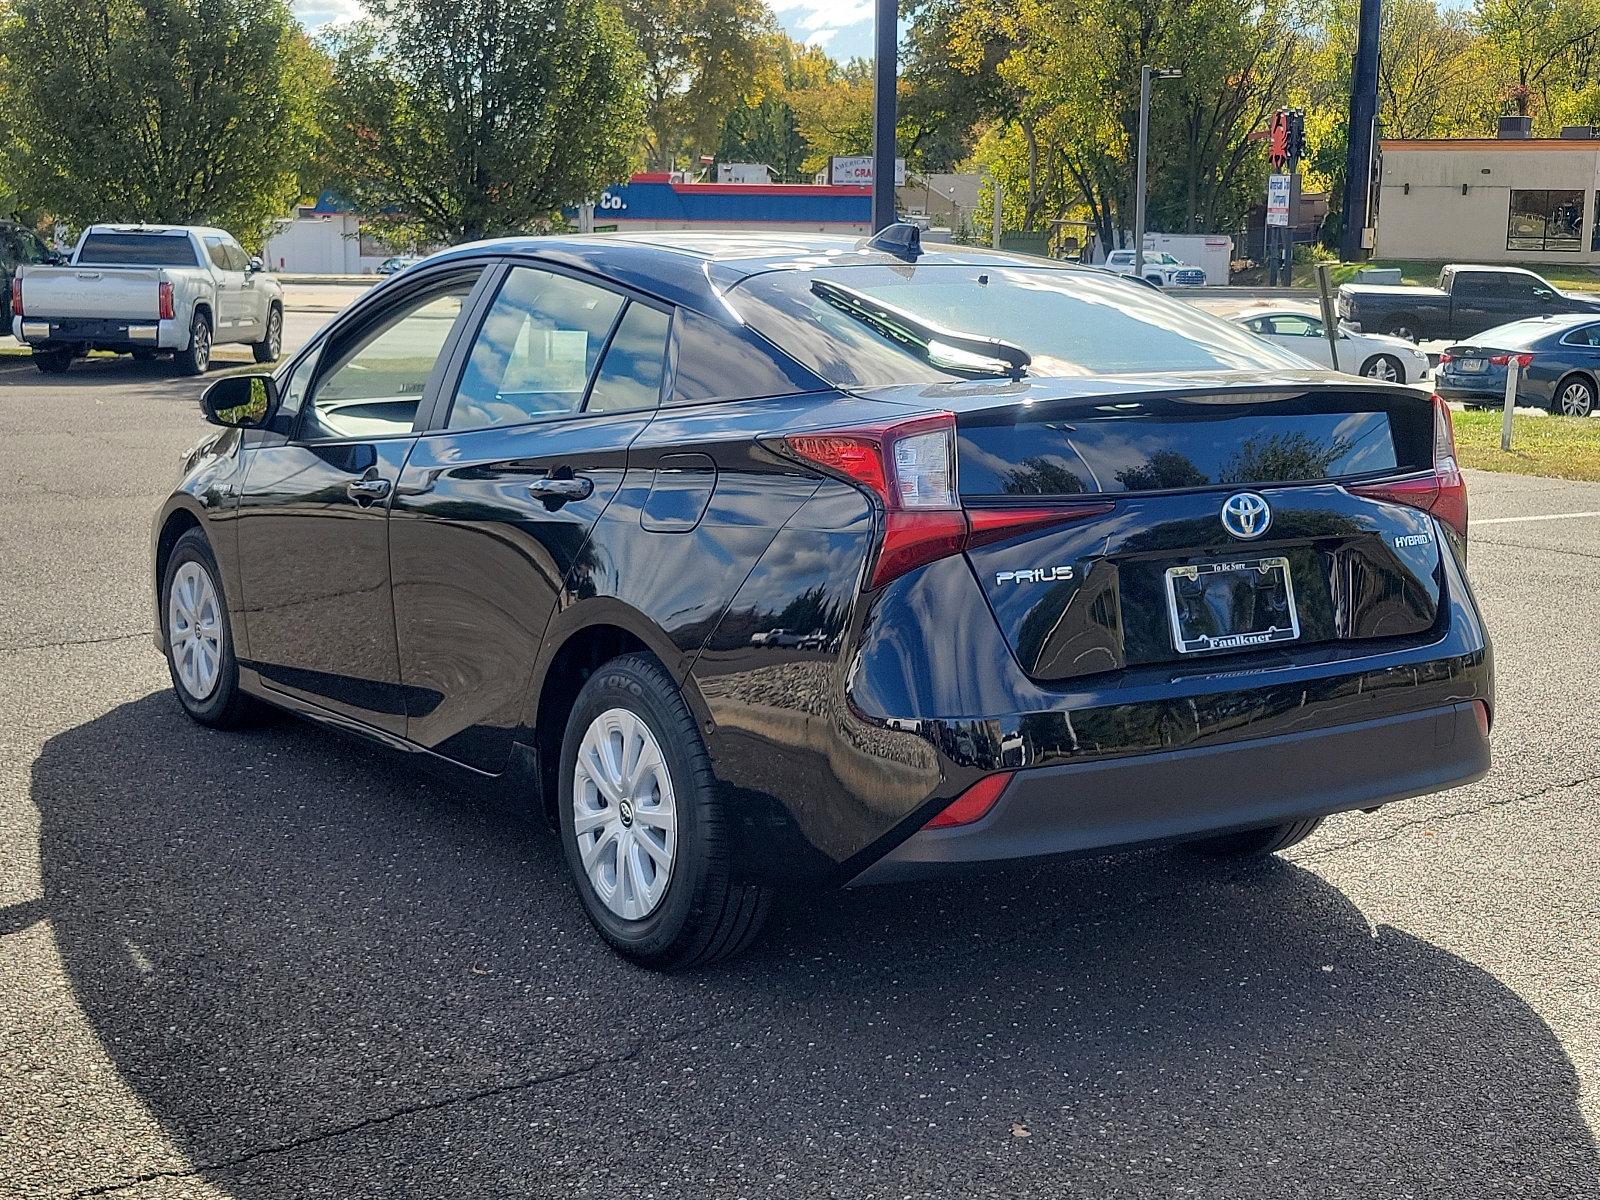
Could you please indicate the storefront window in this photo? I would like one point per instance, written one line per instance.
(1545, 220)
(1594, 230)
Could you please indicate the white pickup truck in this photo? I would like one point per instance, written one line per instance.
(1160, 268)
(147, 289)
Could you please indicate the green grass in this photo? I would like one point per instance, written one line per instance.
(1555, 447)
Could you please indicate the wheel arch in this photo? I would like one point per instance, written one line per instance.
(574, 649)
(1588, 377)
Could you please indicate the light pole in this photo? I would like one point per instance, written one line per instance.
(1145, 75)
(884, 70)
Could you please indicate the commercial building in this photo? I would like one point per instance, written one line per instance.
(656, 200)
(323, 238)
(1510, 199)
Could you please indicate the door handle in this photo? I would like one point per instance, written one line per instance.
(561, 490)
(365, 491)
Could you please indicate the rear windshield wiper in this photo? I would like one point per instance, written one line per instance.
(948, 349)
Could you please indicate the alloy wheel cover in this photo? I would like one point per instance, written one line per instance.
(624, 814)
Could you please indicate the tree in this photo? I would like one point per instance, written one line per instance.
(699, 58)
(183, 111)
(463, 119)
(1064, 103)
(769, 132)
(1537, 46)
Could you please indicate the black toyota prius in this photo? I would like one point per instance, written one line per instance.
(758, 561)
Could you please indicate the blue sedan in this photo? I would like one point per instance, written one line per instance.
(1558, 357)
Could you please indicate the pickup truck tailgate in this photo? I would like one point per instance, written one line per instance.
(110, 292)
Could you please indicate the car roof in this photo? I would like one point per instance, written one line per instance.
(1533, 329)
(694, 266)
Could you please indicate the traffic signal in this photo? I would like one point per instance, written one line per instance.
(1287, 145)
(1278, 143)
(1296, 145)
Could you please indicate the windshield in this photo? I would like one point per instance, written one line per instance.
(138, 250)
(1067, 322)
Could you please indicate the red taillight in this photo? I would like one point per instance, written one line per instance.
(973, 804)
(16, 295)
(1501, 360)
(909, 467)
(1446, 357)
(1443, 493)
(165, 293)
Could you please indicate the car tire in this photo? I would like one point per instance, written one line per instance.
(664, 818)
(1154, 280)
(1403, 327)
(1257, 843)
(271, 345)
(53, 362)
(195, 359)
(1574, 396)
(1385, 367)
(198, 633)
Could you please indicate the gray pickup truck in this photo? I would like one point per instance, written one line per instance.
(1468, 300)
(149, 290)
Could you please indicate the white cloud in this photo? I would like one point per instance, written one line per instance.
(315, 13)
(822, 37)
(815, 15)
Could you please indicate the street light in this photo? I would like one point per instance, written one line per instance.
(1145, 75)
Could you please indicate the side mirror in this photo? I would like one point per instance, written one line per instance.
(240, 401)
(256, 264)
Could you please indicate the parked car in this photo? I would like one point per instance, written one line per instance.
(1394, 360)
(393, 266)
(147, 290)
(1468, 300)
(1558, 360)
(19, 246)
(1161, 269)
(1096, 569)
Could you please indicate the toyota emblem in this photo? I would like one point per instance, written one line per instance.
(1246, 515)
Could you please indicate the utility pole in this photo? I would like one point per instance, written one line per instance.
(1146, 73)
(1363, 119)
(884, 73)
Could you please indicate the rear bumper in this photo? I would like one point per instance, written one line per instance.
(1179, 794)
(105, 333)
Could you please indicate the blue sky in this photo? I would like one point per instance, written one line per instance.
(842, 27)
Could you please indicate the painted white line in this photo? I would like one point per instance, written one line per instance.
(1572, 516)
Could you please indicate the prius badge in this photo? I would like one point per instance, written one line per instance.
(1035, 575)
(1246, 515)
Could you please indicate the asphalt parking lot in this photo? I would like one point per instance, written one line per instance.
(281, 964)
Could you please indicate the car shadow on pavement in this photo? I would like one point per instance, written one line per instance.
(325, 973)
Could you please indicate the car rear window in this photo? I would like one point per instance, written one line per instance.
(1071, 322)
(138, 250)
(1166, 444)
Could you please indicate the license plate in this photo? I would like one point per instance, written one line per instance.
(1231, 605)
(1472, 366)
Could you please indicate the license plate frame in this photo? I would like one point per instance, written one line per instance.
(1473, 366)
(1201, 642)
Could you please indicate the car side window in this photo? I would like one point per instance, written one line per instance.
(1295, 326)
(630, 373)
(1589, 335)
(238, 260)
(217, 253)
(373, 380)
(1469, 285)
(536, 351)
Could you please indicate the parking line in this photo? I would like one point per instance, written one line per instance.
(1571, 516)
